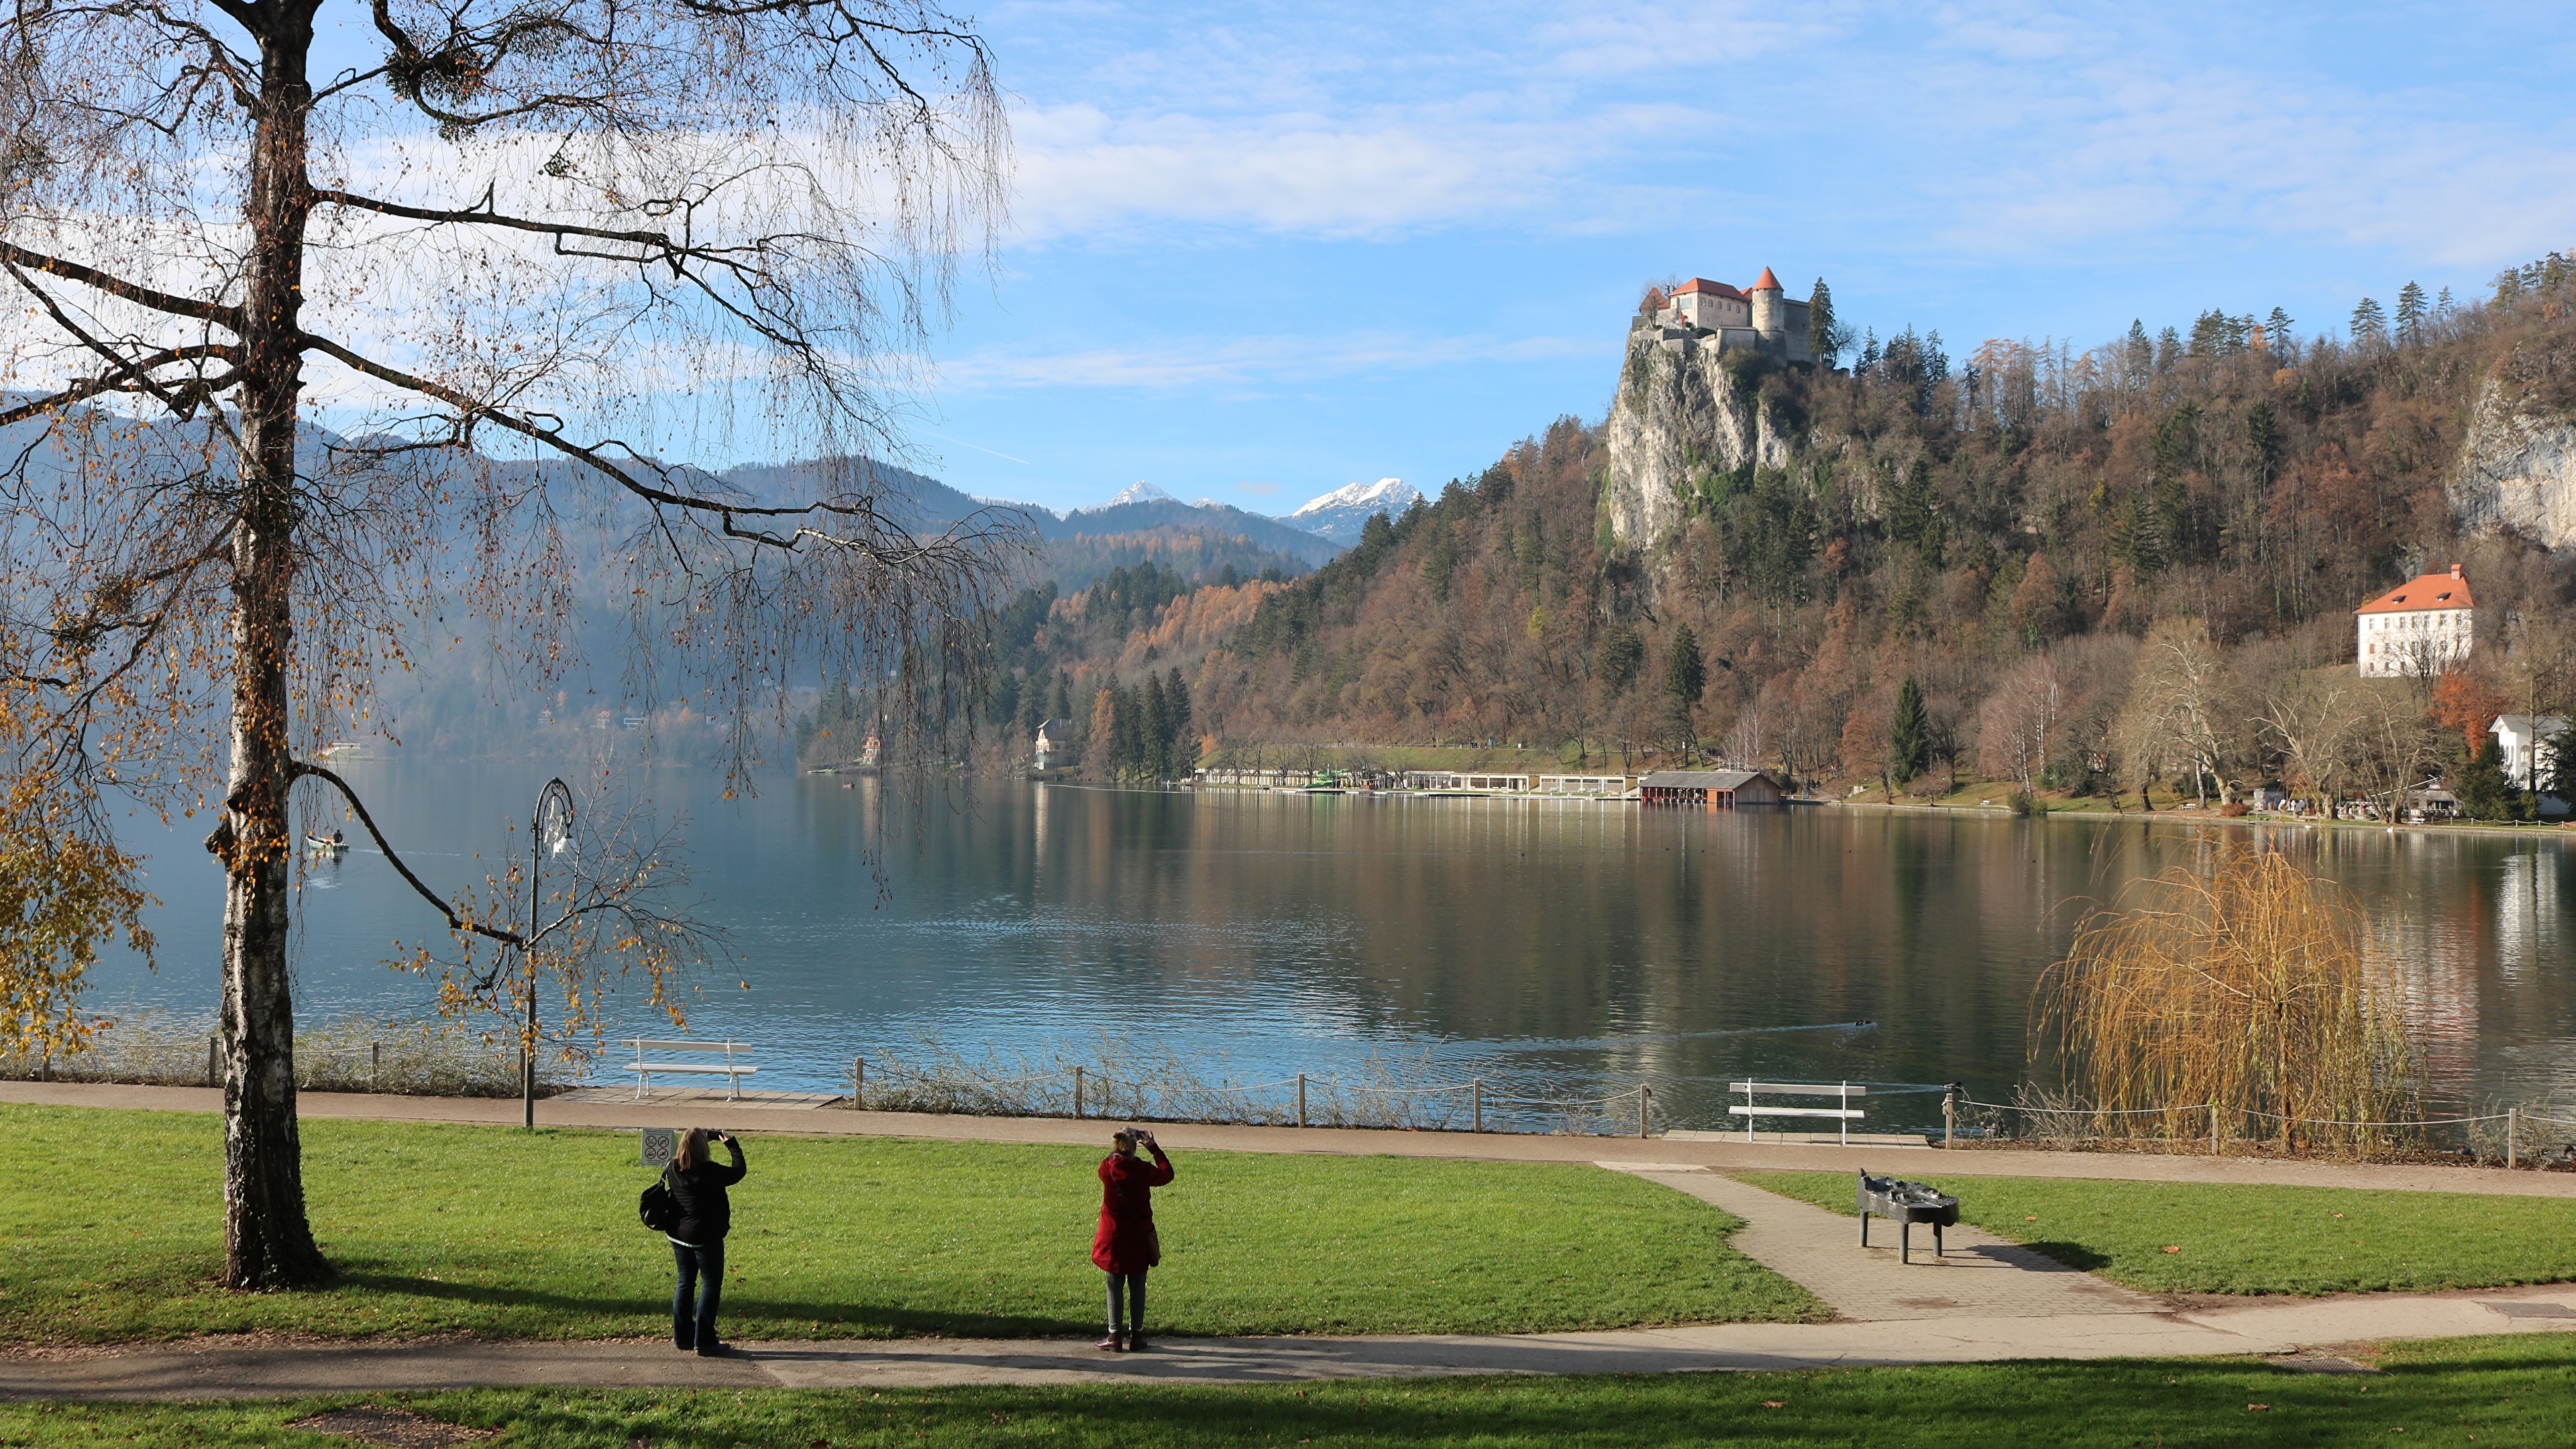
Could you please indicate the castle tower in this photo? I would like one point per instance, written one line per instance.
(1770, 312)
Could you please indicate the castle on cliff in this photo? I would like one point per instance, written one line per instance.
(1701, 313)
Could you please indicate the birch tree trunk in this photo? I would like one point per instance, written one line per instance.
(267, 1240)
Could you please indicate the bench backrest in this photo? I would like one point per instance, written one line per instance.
(1800, 1089)
(646, 1044)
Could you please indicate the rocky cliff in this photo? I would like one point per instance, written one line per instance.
(1676, 414)
(2517, 467)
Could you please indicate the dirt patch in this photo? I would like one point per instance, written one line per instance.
(394, 1428)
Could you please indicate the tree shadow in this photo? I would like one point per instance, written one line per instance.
(2073, 1255)
(742, 1311)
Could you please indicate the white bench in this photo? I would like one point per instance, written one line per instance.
(1845, 1091)
(732, 1069)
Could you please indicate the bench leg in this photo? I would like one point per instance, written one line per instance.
(1864, 1229)
(1905, 1241)
(1937, 1246)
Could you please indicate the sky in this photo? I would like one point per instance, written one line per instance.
(1257, 252)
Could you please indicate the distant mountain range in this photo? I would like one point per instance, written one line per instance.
(1310, 536)
(1340, 514)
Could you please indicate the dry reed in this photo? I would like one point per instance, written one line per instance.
(153, 1047)
(2250, 988)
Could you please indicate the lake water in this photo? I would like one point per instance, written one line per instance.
(1554, 948)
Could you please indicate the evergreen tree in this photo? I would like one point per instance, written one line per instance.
(2557, 772)
(2142, 350)
(1867, 362)
(2484, 790)
(2276, 328)
(2443, 306)
(1823, 336)
(1153, 731)
(2369, 324)
(1909, 734)
(2410, 314)
(1181, 748)
(1686, 673)
(1060, 698)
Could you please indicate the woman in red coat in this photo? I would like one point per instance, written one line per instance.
(1126, 1244)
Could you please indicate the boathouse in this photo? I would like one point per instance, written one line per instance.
(1713, 789)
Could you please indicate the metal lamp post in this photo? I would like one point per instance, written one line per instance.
(556, 794)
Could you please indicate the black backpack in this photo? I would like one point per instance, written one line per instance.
(656, 1206)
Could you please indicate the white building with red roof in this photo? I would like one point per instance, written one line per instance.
(2424, 626)
(1701, 313)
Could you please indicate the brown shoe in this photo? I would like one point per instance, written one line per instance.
(1115, 1343)
(1137, 1345)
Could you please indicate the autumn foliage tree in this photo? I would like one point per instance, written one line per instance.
(525, 249)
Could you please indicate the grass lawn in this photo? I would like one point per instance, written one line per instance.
(2515, 1391)
(113, 1225)
(2243, 1239)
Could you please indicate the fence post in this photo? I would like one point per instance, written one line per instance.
(375, 1064)
(1077, 1092)
(2213, 1128)
(1476, 1095)
(1301, 1099)
(2512, 1120)
(1645, 1095)
(1950, 1116)
(210, 1061)
(858, 1084)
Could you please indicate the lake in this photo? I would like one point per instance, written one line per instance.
(1559, 948)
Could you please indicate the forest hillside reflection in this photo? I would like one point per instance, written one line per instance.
(1545, 946)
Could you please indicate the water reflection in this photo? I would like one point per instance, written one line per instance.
(1548, 946)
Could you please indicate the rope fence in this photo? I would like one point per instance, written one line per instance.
(2525, 1135)
(1307, 1099)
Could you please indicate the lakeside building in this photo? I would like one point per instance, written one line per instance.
(1761, 318)
(1598, 785)
(2424, 626)
(1053, 745)
(1464, 780)
(1714, 789)
(2526, 742)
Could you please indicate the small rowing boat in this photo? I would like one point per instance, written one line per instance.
(332, 844)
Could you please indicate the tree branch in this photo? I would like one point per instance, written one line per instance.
(140, 295)
(300, 769)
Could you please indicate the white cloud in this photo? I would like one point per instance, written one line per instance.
(1243, 362)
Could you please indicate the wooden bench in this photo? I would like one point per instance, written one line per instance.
(1748, 1110)
(732, 1068)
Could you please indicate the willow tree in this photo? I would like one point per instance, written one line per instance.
(526, 258)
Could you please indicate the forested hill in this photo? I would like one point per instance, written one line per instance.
(2008, 526)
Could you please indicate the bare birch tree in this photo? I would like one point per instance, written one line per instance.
(526, 253)
(2181, 709)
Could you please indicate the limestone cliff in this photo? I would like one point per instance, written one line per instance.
(1677, 411)
(2517, 466)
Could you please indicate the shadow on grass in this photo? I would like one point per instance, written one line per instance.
(578, 1316)
(2073, 1255)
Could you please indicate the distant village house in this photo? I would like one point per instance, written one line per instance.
(1053, 745)
(2423, 627)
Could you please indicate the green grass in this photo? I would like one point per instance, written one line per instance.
(113, 1219)
(2248, 1239)
(2504, 1392)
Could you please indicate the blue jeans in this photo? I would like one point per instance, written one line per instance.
(1131, 1286)
(701, 1269)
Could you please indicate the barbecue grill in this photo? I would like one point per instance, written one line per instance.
(1905, 1204)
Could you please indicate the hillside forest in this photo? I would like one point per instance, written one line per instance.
(2082, 573)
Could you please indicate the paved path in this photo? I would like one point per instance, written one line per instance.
(2287, 1332)
(1721, 1156)
(1980, 1275)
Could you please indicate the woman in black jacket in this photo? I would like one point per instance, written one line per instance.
(697, 1239)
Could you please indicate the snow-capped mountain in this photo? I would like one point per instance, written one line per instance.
(1340, 514)
(1136, 492)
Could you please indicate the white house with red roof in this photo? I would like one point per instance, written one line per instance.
(1701, 313)
(2424, 626)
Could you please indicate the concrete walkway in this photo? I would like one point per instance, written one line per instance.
(1730, 1155)
(2286, 1332)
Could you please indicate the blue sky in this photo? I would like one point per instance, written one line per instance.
(1259, 252)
